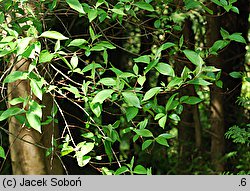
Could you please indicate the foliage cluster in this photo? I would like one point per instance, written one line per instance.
(78, 68)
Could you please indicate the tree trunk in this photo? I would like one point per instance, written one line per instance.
(233, 60)
(216, 97)
(28, 146)
(190, 138)
(224, 110)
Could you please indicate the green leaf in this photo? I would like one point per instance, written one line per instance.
(174, 117)
(35, 108)
(235, 9)
(45, 56)
(150, 93)
(199, 81)
(224, 2)
(248, 79)
(36, 89)
(16, 101)
(218, 45)
(92, 14)
(174, 105)
(192, 100)
(159, 115)
(141, 80)
(85, 148)
(146, 144)
(53, 35)
(165, 69)
(5, 52)
(82, 160)
(105, 56)
(34, 121)
(88, 135)
(126, 75)
(48, 121)
(108, 149)
(74, 61)
(143, 132)
(236, 74)
(135, 138)
(217, 2)
(118, 11)
(22, 44)
(65, 61)
(166, 46)
(131, 98)
(12, 111)
(73, 90)
(150, 66)
(162, 121)
(143, 124)
(145, 6)
(183, 98)
(77, 42)
(210, 69)
(66, 150)
(92, 34)
(181, 41)
(121, 170)
(206, 8)
(14, 76)
(99, 2)
(53, 4)
(237, 37)
(170, 100)
(136, 69)
(176, 81)
(76, 5)
(105, 44)
(97, 48)
(191, 4)
(232, 1)
(162, 141)
(224, 33)
(96, 108)
(193, 57)
(166, 136)
(219, 83)
(57, 45)
(131, 113)
(108, 81)
(2, 17)
(102, 16)
(139, 169)
(2, 153)
(102, 95)
(90, 67)
(132, 162)
(106, 171)
(143, 59)
(157, 23)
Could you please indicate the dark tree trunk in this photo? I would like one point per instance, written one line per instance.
(224, 111)
(216, 97)
(189, 133)
(234, 60)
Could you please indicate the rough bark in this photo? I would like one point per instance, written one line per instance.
(27, 146)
